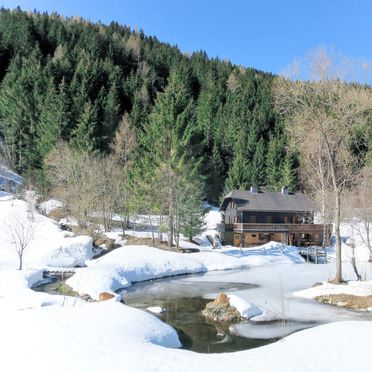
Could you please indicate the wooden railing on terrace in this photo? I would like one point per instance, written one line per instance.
(273, 227)
(261, 227)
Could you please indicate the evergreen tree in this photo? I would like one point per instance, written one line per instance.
(274, 158)
(53, 120)
(191, 212)
(111, 110)
(83, 135)
(238, 177)
(167, 124)
(257, 170)
(288, 176)
(98, 64)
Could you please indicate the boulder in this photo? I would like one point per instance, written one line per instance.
(221, 299)
(104, 296)
(220, 310)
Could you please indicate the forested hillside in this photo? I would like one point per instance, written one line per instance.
(69, 79)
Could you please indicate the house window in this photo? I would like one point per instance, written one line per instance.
(252, 219)
(269, 219)
(285, 219)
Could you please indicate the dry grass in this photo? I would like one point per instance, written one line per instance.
(347, 300)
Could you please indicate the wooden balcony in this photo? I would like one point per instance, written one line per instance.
(273, 227)
(261, 227)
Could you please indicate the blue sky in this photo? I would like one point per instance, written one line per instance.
(265, 34)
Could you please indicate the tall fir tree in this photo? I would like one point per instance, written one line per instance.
(83, 135)
(53, 119)
(274, 159)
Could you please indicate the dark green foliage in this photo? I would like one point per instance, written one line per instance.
(70, 79)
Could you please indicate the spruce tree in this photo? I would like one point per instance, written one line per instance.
(288, 175)
(257, 169)
(238, 176)
(274, 158)
(166, 142)
(53, 119)
(83, 135)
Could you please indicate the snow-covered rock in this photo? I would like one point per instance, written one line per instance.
(245, 308)
(50, 205)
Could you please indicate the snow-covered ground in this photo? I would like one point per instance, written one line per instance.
(351, 288)
(135, 263)
(53, 333)
(113, 337)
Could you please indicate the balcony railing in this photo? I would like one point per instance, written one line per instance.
(273, 227)
(261, 227)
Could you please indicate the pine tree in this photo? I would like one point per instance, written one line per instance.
(257, 170)
(83, 135)
(275, 155)
(191, 212)
(111, 109)
(53, 120)
(238, 177)
(288, 176)
(165, 136)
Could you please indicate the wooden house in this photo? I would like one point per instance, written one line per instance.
(254, 217)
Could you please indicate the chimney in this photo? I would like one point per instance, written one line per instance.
(285, 190)
(254, 189)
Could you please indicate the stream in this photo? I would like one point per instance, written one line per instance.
(270, 287)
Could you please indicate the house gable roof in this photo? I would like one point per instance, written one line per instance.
(269, 201)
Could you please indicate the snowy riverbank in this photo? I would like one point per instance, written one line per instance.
(67, 334)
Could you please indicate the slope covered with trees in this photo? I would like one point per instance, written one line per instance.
(69, 79)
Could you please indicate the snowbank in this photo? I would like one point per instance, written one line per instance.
(111, 336)
(245, 308)
(121, 267)
(352, 288)
(49, 246)
(50, 205)
(15, 292)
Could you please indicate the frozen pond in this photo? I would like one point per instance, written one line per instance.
(269, 287)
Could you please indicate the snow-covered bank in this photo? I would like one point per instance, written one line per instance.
(49, 245)
(121, 267)
(355, 288)
(113, 337)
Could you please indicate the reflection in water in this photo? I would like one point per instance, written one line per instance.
(183, 304)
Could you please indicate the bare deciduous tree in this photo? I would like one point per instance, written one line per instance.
(21, 231)
(324, 115)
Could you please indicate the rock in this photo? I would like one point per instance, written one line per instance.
(221, 299)
(220, 310)
(104, 296)
(104, 241)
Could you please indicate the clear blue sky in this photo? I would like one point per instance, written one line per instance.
(265, 34)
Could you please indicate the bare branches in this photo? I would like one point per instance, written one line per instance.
(21, 230)
(324, 115)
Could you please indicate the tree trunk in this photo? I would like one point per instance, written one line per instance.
(321, 173)
(338, 278)
(368, 238)
(20, 261)
(171, 217)
(152, 230)
(160, 227)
